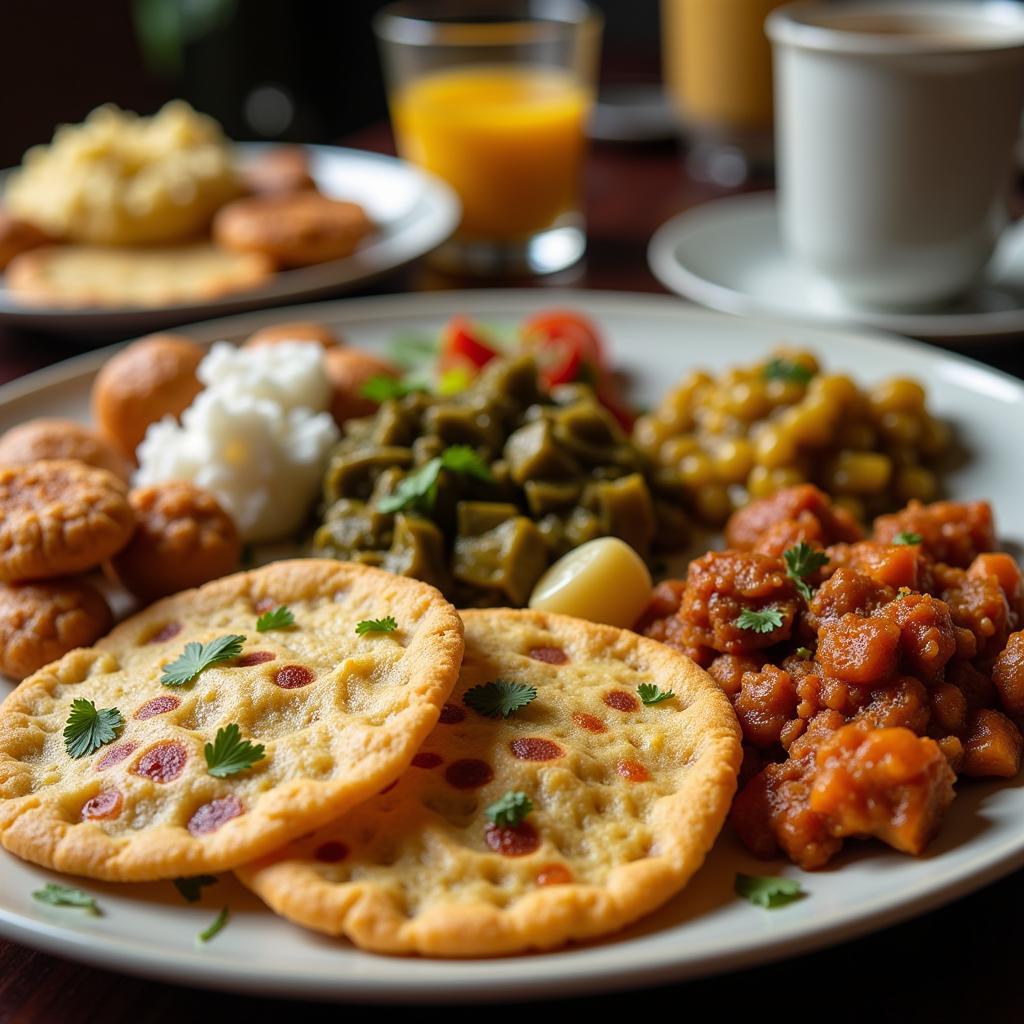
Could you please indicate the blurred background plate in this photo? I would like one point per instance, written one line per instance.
(415, 210)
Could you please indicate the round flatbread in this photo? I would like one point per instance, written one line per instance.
(627, 799)
(340, 716)
(87, 275)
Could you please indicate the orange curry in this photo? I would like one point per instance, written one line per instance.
(865, 673)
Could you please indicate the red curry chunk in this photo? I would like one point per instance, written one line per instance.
(860, 705)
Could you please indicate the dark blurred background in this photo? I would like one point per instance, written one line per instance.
(301, 70)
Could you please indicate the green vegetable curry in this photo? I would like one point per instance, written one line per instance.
(479, 492)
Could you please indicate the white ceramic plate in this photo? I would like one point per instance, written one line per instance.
(726, 254)
(415, 210)
(149, 930)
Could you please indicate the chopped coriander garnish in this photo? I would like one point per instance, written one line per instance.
(787, 369)
(217, 926)
(191, 888)
(760, 621)
(768, 892)
(510, 810)
(802, 560)
(418, 490)
(804, 652)
(651, 693)
(386, 625)
(57, 895)
(904, 592)
(88, 729)
(906, 537)
(500, 698)
(197, 658)
(229, 754)
(460, 458)
(381, 388)
(279, 618)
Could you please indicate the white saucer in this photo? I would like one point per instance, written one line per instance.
(726, 254)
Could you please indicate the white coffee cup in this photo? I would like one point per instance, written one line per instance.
(895, 129)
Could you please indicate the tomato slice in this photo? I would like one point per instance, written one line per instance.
(554, 326)
(462, 346)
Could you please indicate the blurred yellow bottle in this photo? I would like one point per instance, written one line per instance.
(509, 140)
(717, 62)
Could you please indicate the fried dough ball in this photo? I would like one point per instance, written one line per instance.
(40, 439)
(294, 230)
(151, 378)
(41, 622)
(348, 370)
(60, 517)
(18, 236)
(279, 171)
(183, 538)
(299, 330)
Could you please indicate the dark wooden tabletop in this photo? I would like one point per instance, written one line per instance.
(960, 962)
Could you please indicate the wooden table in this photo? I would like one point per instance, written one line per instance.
(959, 962)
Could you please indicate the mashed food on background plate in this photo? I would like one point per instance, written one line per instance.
(122, 179)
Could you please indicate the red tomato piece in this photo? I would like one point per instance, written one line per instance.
(462, 346)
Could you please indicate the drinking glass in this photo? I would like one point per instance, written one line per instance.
(718, 73)
(494, 98)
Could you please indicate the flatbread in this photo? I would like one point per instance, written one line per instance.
(627, 799)
(115, 276)
(340, 716)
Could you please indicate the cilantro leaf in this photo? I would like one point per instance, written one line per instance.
(802, 560)
(88, 729)
(57, 895)
(651, 693)
(279, 618)
(385, 625)
(460, 458)
(218, 924)
(229, 754)
(509, 810)
(499, 698)
(197, 658)
(381, 387)
(760, 621)
(804, 652)
(418, 489)
(191, 888)
(788, 370)
(765, 891)
(906, 537)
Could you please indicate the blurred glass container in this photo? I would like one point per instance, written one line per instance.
(718, 73)
(494, 98)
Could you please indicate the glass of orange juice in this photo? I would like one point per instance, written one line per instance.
(494, 97)
(718, 72)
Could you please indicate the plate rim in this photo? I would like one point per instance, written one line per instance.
(562, 974)
(682, 280)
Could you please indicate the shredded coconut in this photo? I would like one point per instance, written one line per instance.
(257, 437)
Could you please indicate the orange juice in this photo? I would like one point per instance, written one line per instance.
(509, 140)
(717, 61)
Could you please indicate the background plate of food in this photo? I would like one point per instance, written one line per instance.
(734, 410)
(126, 223)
